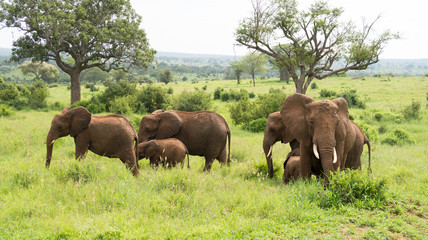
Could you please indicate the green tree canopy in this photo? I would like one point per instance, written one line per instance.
(165, 76)
(104, 34)
(41, 71)
(255, 63)
(308, 42)
(238, 68)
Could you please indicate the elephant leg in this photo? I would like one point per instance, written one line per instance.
(222, 156)
(130, 161)
(208, 163)
(81, 147)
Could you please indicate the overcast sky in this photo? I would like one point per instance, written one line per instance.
(208, 26)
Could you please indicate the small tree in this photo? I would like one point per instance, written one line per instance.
(41, 71)
(255, 63)
(165, 76)
(238, 68)
(102, 34)
(308, 42)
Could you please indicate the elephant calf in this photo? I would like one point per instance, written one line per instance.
(164, 151)
(292, 166)
(111, 135)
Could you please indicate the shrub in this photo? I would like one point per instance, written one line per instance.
(352, 99)
(38, 94)
(91, 86)
(217, 93)
(93, 106)
(251, 95)
(121, 105)
(412, 111)
(352, 187)
(269, 103)
(314, 86)
(116, 90)
(324, 93)
(5, 111)
(369, 131)
(8, 92)
(224, 96)
(257, 125)
(192, 101)
(151, 98)
(398, 137)
(241, 111)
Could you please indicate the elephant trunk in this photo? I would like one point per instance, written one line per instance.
(328, 156)
(49, 147)
(267, 148)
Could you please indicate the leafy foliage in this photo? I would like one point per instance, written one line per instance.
(192, 101)
(350, 95)
(398, 137)
(151, 98)
(412, 111)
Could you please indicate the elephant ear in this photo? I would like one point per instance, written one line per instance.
(169, 125)
(80, 118)
(343, 107)
(293, 116)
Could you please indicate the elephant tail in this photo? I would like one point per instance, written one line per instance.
(137, 155)
(366, 140)
(228, 151)
(187, 153)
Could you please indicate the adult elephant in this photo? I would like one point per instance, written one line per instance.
(323, 129)
(275, 131)
(353, 160)
(111, 136)
(204, 133)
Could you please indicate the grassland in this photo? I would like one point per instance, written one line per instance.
(99, 199)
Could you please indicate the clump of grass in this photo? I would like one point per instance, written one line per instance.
(352, 187)
(398, 137)
(412, 111)
(78, 172)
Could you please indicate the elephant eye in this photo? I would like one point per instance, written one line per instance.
(311, 121)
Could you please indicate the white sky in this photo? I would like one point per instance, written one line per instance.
(208, 26)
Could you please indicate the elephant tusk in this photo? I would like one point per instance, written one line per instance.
(52, 142)
(270, 151)
(317, 155)
(335, 156)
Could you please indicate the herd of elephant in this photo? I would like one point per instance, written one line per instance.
(322, 137)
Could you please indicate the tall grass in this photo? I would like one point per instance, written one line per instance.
(98, 198)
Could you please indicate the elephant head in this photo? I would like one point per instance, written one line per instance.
(159, 126)
(275, 131)
(149, 149)
(321, 128)
(68, 122)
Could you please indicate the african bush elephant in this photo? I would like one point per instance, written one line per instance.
(111, 136)
(323, 129)
(292, 166)
(204, 133)
(275, 131)
(353, 160)
(164, 151)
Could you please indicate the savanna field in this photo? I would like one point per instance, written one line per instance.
(98, 198)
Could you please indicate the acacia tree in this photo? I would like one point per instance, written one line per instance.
(165, 76)
(308, 42)
(94, 33)
(41, 71)
(255, 63)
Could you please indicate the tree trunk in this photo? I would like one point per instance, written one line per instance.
(75, 86)
(254, 80)
(239, 79)
(284, 75)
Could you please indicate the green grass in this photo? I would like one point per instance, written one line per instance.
(98, 198)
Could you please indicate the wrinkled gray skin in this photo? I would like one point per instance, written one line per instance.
(111, 136)
(323, 129)
(204, 133)
(167, 152)
(275, 131)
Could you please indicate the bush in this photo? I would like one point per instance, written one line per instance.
(352, 187)
(241, 112)
(8, 92)
(93, 106)
(192, 101)
(5, 111)
(121, 105)
(398, 137)
(224, 96)
(151, 98)
(351, 97)
(412, 111)
(116, 90)
(38, 94)
(314, 86)
(324, 93)
(217, 93)
(91, 86)
(369, 131)
(257, 125)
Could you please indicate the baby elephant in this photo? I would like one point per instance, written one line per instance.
(164, 151)
(292, 166)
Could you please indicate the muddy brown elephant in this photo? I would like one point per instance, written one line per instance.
(353, 160)
(111, 136)
(323, 129)
(164, 151)
(275, 131)
(204, 133)
(292, 166)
